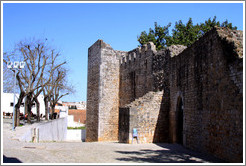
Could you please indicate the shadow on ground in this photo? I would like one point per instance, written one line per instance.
(10, 160)
(171, 153)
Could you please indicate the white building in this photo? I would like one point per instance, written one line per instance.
(7, 104)
(79, 105)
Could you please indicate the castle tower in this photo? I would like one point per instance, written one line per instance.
(102, 93)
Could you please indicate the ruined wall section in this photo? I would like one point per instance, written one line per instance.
(160, 64)
(208, 77)
(136, 77)
(144, 111)
(141, 114)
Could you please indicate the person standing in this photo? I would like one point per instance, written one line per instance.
(134, 134)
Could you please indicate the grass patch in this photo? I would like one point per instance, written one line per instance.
(81, 127)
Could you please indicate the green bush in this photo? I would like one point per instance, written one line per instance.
(82, 127)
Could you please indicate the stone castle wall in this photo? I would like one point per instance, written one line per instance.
(103, 93)
(93, 100)
(136, 73)
(208, 76)
(201, 104)
(109, 94)
(141, 114)
(145, 112)
(144, 116)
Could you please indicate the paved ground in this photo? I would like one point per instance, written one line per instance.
(85, 152)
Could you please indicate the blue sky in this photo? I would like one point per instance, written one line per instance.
(73, 27)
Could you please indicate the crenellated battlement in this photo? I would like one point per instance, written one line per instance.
(138, 53)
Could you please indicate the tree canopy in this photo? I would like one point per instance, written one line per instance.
(183, 34)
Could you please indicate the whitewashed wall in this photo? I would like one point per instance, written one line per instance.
(8, 98)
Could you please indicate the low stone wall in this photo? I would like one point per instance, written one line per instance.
(27, 136)
(55, 130)
(76, 135)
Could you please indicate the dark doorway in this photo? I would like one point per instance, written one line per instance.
(124, 119)
(179, 121)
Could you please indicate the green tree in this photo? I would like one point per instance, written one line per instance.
(184, 34)
(228, 25)
(159, 36)
(208, 24)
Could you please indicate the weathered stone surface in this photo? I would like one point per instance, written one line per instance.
(176, 49)
(188, 95)
(209, 81)
(233, 38)
(143, 115)
(136, 77)
(93, 81)
(103, 93)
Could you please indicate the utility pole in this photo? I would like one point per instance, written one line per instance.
(14, 66)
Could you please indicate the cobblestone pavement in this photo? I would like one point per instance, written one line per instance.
(85, 152)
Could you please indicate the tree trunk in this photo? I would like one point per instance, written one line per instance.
(46, 107)
(17, 116)
(29, 108)
(25, 106)
(17, 108)
(29, 112)
(53, 111)
(26, 109)
(38, 109)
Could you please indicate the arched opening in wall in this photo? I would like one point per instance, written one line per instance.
(179, 121)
